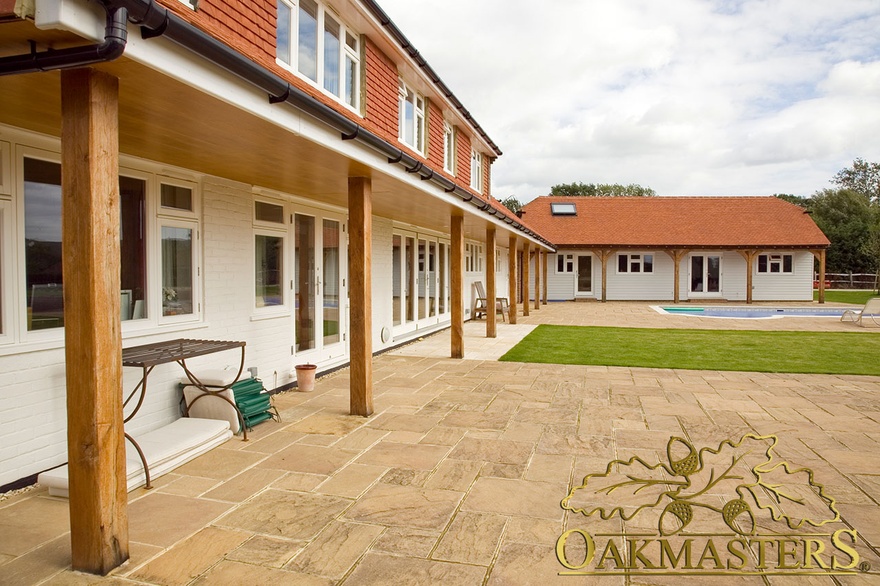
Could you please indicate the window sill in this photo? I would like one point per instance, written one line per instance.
(56, 342)
(273, 315)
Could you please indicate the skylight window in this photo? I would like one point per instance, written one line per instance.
(563, 209)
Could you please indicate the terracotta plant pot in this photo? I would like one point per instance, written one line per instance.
(305, 377)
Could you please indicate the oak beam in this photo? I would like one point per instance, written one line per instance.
(457, 287)
(491, 291)
(92, 329)
(511, 279)
(360, 269)
(525, 271)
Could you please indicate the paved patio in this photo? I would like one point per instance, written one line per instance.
(458, 477)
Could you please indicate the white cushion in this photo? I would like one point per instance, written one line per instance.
(210, 407)
(165, 449)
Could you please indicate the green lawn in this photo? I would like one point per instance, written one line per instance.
(835, 296)
(806, 352)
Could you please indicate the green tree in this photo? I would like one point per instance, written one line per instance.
(797, 200)
(863, 177)
(849, 221)
(601, 190)
(512, 203)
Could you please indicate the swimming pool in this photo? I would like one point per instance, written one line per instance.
(739, 312)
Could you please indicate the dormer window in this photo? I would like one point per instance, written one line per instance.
(563, 209)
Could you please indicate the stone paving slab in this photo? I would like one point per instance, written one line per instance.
(459, 476)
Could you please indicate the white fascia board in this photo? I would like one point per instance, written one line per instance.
(84, 18)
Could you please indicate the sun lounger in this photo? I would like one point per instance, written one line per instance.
(871, 311)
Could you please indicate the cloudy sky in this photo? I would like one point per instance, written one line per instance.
(688, 97)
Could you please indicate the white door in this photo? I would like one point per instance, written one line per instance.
(319, 286)
(705, 275)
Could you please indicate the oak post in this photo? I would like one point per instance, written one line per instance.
(538, 278)
(92, 329)
(676, 255)
(525, 269)
(360, 268)
(749, 255)
(511, 278)
(821, 255)
(491, 291)
(545, 279)
(457, 286)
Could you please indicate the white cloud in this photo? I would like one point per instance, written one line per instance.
(685, 96)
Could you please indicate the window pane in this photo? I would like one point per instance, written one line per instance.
(308, 39)
(177, 270)
(42, 236)
(331, 282)
(423, 279)
(179, 198)
(648, 263)
(762, 263)
(560, 263)
(787, 263)
(443, 270)
(351, 86)
(410, 280)
(396, 269)
(268, 212)
(697, 274)
(332, 47)
(282, 38)
(622, 261)
(351, 41)
(409, 120)
(304, 279)
(269, 270)
(133, 247)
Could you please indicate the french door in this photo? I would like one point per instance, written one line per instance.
(584, 275)
(320, 294)
(420, 280)
(705, 274)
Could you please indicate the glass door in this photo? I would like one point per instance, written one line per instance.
(319, 287)
(705, 277)
(584, 274)
(405, 277)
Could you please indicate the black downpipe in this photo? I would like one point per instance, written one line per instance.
(115, 39)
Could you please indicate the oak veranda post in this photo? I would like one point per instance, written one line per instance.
(511, 278)
(456, 283)
(491, 285)
(360, 269)
(92, 328)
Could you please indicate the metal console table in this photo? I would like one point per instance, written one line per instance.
(148, 356)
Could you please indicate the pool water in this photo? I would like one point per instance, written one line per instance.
(754, 312)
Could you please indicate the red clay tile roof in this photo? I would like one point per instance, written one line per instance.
(723, 222)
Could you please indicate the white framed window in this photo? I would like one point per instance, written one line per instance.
(635, 263)
(564, 263)
(448, 147)
(158, 241)
(314, 43)
(497, 261)
(473, 258)
(477, 171)
(270, 235)
(411, 110)
(7, 215)
(775, 263)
